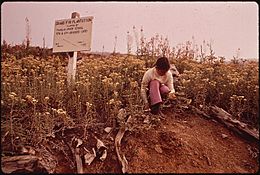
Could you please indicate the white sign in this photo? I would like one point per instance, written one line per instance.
(72, 34)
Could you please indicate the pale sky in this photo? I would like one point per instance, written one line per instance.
(227, 25)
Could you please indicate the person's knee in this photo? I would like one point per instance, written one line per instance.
(164, 89)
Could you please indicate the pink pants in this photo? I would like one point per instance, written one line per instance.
(156, 89)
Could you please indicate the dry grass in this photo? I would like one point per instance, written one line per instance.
(36, 99)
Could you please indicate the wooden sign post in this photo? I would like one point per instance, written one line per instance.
(72, 35)
(72, 65)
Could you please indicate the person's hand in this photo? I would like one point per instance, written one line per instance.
(172, 96)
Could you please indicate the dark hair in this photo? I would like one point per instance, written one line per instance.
(162, 63)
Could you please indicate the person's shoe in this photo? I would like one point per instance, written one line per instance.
(155, 109)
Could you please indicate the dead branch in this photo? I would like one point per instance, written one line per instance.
(78, 161)
(200, 112)
(241, 128)
(120, 155)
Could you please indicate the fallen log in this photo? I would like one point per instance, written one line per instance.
(241, 128)
(119, 136)
(200, 112)
(22, 164)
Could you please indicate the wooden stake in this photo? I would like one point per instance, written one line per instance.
(72, 65)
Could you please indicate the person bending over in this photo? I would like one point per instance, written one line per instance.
(156, 83)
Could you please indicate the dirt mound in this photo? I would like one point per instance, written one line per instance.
(177, 143)
(189, 144)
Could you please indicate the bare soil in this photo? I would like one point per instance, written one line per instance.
(189, 144)
(179, 143)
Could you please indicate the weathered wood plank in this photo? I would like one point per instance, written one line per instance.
(236, 125)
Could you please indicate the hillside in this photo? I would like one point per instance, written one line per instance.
(181, 142)
(49, 126)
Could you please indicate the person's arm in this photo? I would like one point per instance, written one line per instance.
(170, 83)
